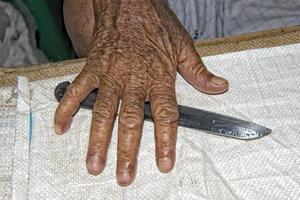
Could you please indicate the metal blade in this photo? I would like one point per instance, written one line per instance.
(210, 122)
(219, 124)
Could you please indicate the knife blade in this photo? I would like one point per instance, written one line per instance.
(189, 117)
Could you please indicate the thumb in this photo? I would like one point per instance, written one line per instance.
(192, 68)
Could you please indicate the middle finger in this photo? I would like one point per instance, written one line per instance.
(130, 129)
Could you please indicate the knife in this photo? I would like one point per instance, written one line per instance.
(203, 120)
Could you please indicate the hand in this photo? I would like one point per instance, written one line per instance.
(137, 49)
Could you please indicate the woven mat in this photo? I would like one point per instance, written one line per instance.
(226, 169)
(265, 88)
(270, 38)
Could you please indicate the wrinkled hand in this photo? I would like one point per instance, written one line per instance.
(137, 49)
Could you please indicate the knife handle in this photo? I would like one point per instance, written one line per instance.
(88, 103)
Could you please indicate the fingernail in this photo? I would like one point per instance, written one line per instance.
(67, 126)
(60, 130)
(165, 164)
(124, 178)
(94, 165)
(217, 80)
(57, 129)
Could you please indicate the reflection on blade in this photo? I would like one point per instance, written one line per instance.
(217, 124)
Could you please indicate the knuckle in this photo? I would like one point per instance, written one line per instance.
(72, 91)
(62, 110)
(126, 163)
(132, 110)
(126, 155)
(131, 118)
(164, 88)
(96, 146)
(103, 113)
(166, 147)
(198, 68)
(105, 108)
(166, 139)
(165, 152)
(109, 85)
(166, 113)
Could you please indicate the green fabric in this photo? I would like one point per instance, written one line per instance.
(51, 35)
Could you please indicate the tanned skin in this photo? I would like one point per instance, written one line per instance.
(134, 50)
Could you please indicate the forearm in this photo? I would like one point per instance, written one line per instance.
(109, 10)
(111, 13)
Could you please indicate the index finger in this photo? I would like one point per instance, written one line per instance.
(76, 92)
